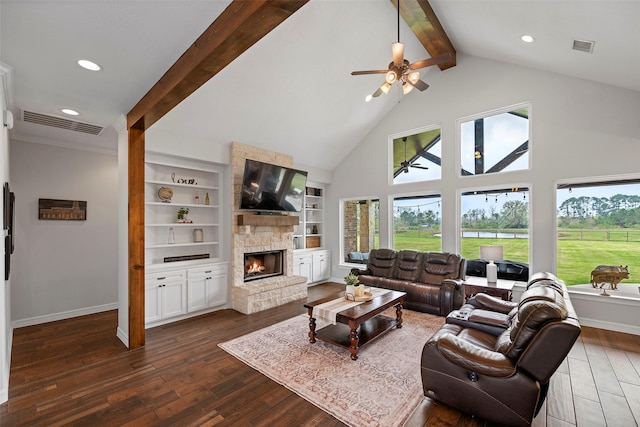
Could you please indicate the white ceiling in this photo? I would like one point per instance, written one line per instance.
(291, 92)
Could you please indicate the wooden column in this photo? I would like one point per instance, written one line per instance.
(136, 237)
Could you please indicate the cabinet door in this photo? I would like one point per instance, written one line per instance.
(302, 266)
(217, 286)
(174, 299)
(197, 293)
(321, 266)
(152, 303)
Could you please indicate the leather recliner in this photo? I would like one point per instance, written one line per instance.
(503, 378)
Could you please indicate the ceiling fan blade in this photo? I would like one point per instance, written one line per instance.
(431, 61)
(397, 49)
(420, 85)
(377, 93)
(419, 167)
(359, 73)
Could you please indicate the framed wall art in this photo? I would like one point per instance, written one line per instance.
(66, 210)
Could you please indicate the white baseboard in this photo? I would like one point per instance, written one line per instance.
(63, 315)
(123, 336)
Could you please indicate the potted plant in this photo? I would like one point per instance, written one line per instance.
(352, 284)
(182, 215)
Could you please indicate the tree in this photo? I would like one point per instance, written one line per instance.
(514, 214)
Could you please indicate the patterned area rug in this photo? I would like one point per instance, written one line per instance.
(382, 388)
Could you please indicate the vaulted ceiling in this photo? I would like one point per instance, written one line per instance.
(292, 91)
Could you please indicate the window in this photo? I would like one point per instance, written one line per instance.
(496, 217)
(598, 224)
(496, 143)
(417, 157)
(360, 228)
(416, 223)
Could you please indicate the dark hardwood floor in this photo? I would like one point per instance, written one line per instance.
(76, 372)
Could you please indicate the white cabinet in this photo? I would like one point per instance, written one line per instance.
(314, 265)
(165, 295)
(173, 294)
(207, 287)
(302, 265)
(174, 184)
(321, 266)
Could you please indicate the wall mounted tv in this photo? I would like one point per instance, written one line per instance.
(269, 188)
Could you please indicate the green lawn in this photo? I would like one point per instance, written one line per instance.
(576, 258)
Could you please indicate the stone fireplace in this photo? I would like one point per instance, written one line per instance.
(261, 234)
(260, 265)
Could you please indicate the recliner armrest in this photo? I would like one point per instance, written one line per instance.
(490, 302)
(358, 271)
(473, 358)
(455, 282)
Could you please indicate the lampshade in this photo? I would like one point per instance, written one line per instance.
(491, 253)
(414, 76)
(390, 77)
(406, 87)
(385, 87)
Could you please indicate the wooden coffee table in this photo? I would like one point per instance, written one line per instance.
(359, 325)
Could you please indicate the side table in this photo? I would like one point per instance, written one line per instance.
(501, 289)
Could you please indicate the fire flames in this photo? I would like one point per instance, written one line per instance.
(255, 268)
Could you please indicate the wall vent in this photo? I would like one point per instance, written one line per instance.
(59, 122)
(583, 45)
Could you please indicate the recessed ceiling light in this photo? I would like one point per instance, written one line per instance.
(89, 65)
(70, 112)
(527, 38)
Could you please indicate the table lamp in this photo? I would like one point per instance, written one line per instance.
(492, 253)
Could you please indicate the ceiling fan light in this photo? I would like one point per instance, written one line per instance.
(385, 88)
(414, 77)
(406, 87)
(390, 77)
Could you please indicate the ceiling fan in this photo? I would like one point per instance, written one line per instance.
(400, 70)
(405, 165)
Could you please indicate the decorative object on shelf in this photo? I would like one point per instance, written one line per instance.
(182, 216)
(173, 177)
(352, 282)
(197, 198)
(165, 194)
(318, 192)
(206, 198)
(296, 243)
(314, 229)
(198, 235)
(492, 253)
(68, 210)
(610, 274)
(172, 238)
(308, 230)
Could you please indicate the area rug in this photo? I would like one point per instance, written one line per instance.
(382, 388)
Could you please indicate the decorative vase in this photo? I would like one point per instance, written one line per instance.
(350, 290)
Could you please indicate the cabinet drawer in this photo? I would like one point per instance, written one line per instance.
(167, 276)
(207, 270)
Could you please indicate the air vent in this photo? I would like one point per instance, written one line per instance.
(583, 45)
(59, 122)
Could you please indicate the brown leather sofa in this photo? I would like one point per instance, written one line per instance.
(503, 378)
(432, 280)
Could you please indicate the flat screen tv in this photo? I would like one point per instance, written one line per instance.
(272, 188)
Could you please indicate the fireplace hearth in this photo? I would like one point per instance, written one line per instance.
(259, 265)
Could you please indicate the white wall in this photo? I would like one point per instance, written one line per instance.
(63, 268)
(579, 129)
(6, 331)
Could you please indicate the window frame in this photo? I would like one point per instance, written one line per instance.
(423, 194)
(341, 202)
(390, 166)
(487, 114)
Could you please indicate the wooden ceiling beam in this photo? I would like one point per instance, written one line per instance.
(424, 23)
(237, 28)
